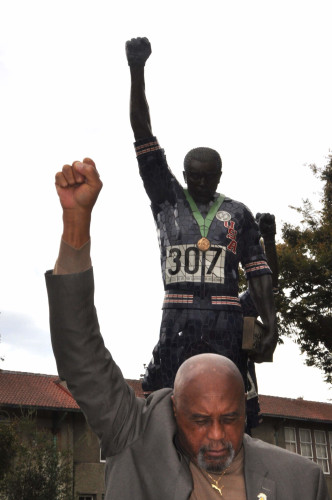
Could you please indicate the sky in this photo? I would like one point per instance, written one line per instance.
(250, 79)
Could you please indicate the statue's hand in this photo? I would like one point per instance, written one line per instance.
(138, 50)
(266, 224)
(268, 343)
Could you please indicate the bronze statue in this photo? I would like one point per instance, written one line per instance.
(203, 236)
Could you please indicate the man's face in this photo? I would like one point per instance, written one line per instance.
(210, 426)
(202, 179)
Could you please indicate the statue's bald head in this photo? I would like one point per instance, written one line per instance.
(209, 408)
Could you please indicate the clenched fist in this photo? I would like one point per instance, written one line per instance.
(78, 185)
(138, 50)
(267, 225)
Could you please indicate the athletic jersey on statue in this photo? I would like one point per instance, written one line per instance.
(194, 278)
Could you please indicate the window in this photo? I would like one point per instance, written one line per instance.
(321, 451)
(306, 444)
(311, 444)
(87, 497)
(290, 439)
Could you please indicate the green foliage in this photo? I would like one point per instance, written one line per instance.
(33, 468)
(8, 446)
(243, 283)
(305, 261)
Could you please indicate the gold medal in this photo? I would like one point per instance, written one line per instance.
(203, 244)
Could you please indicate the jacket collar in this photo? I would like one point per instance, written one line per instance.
(258, 485)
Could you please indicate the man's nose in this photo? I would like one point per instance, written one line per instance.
(216, 431)
(202, 180)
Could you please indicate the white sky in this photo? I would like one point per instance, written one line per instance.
(250, 79)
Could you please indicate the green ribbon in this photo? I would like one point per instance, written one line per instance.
(204, 224)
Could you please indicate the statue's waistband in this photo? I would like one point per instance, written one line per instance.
(177, 300)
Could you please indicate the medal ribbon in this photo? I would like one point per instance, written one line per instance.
(204, 224)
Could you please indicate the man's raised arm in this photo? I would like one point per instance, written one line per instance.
(138, 51)
(93, 378)
(78, 186)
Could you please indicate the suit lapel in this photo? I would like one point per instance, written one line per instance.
(258, 485)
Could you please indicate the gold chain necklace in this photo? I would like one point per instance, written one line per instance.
(215, 484)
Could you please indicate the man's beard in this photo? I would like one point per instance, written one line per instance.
(218, 465)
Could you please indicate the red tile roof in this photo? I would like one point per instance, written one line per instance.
(137, 386)
(21, 389)
(298, 409)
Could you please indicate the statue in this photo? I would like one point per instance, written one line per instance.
(203, 236)
(267, 227)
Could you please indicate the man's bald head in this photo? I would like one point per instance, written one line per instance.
(208, 368)
(209, 408)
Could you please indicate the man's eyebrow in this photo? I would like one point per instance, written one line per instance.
(199, 415)
(203, 415)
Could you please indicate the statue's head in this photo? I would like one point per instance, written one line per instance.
(202, 172)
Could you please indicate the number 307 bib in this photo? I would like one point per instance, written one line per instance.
(188, 263)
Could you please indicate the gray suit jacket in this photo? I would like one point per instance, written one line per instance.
(137, 435)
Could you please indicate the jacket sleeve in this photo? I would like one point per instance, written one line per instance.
(96, 382)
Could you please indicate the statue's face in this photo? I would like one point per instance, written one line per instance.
(202, 178)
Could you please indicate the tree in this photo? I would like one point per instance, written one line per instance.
(305, 260)
(7, 447)
(32, 467)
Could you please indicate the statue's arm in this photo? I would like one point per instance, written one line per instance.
(138, 51)
(267, 227)
(262, 296)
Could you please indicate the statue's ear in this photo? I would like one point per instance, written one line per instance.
(185, 176)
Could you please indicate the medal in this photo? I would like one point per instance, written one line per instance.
(203, 244)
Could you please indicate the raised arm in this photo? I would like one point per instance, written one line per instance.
(93, 378)
(78, 186)
(138, 51)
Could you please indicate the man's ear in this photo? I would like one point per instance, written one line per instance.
(174, 407)
(185, 176)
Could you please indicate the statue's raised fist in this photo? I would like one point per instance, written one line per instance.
(138, 50)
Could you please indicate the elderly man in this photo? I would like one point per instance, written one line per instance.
(186, 445)
(203, 237)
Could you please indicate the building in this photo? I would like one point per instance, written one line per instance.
(304, 427)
